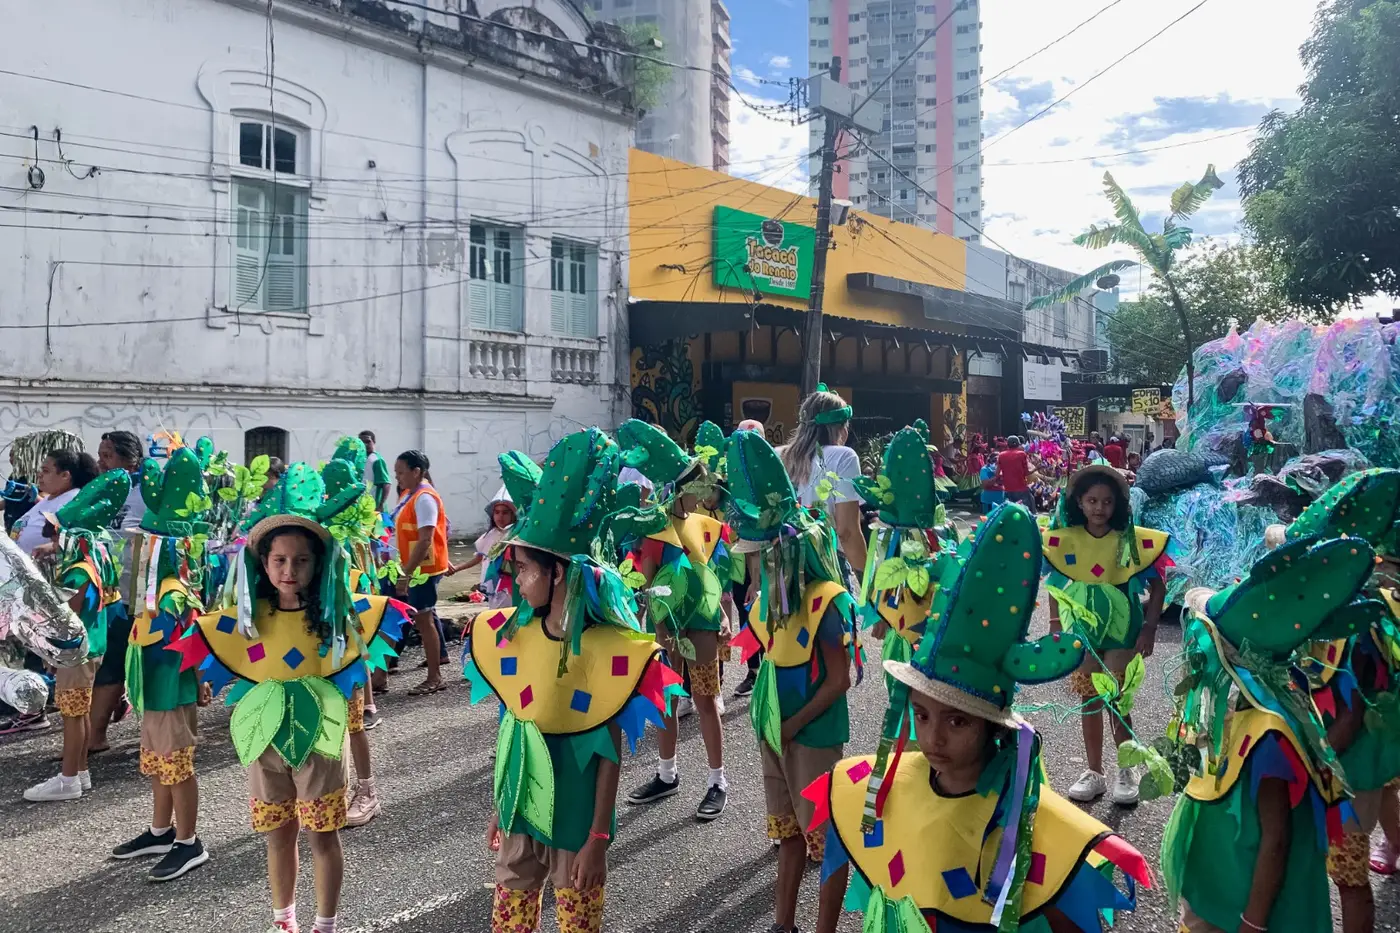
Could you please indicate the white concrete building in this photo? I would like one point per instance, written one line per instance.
(277, 231)
(691, 122)
(933, 109)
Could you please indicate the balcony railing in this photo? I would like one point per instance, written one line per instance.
(491, 359)
(574, 366)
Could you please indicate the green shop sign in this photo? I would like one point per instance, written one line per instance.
(757, 253)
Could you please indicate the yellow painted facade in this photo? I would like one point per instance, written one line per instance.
(671, 227)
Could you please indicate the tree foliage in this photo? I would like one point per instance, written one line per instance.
(1321, 186)
(650, 76)
(1220, 285)
(1156, 251)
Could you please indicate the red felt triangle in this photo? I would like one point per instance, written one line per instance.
(191, 647)
(747, 643)
(819, 793)
(1128, 860)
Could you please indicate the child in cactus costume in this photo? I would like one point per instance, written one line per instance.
(169, 565)
(686, 557)
(1356, 680)
(573, 672)
(355, 526)
(907, 562)
(86, 562)
(1103, 563)
(295, 658)
(803, 619)
(965, 835)
(1246, 845)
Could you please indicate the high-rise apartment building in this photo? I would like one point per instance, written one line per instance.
(691, 123)
(933, 111)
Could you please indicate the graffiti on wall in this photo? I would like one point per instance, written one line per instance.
(666, 386)
(142, 416)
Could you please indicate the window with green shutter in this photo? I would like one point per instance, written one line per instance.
(573, 292)
(495, 269)
(270, 220)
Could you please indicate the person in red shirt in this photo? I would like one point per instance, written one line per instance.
(1014, 472)
(1114, 453)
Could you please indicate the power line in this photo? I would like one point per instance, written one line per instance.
(961, 5)
(1126, 152)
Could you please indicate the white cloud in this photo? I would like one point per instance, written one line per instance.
(748, 76)
(780, 63)
(769, 149)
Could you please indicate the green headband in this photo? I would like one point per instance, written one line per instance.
(836, 415)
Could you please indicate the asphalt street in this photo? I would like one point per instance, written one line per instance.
(422, 866)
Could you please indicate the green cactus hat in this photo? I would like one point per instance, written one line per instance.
(96, 504)
(352, 451)
(298, 499)
(649, 450)
(175, 495)
(1295, 594)
(761, 496)
(521, 475)
(710, 437)
(1361, 505)
(904, 492)
(574, 495)
(205, 449)
(343, 488)
(974, 655)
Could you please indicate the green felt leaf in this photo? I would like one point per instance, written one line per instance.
(256, 719)
(510, 778)
(260, 464)
(228, 493)
(301, 724)
(537, 788)
(710, 592)
(625, 567)
(593, 742)
(1132, 680)
(505, 733)
(335, 717)
(1132, 753)
(238, 691)
(891, 574)
(1106, 685)
(911, 918)
(418, 578)
(134, 676)
(764, 712)
(686, 647)
(875, 912)
(917, 579)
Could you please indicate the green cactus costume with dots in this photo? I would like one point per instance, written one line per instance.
(89, 555)
(1244, 714)
(908, 563)
(562, 696)
(924, 861)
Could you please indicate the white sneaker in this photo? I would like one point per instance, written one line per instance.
(57, 787)
(85, 780)
(1090, 786)
(719, 705)
(684, 707)
(1125, 788)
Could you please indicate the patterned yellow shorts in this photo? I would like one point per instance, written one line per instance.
(355, 717)
(1348, 861)
(579, 910)
(74, 703)
(270, 816)
(704, 678)
(575, 910)
(174, 768)
(785, 827)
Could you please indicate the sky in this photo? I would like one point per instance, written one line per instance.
(1193, 95)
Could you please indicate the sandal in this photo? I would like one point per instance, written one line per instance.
(426, 689)
(1384, 858)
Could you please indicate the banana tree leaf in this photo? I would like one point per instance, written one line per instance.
(256, 720)
(301, 724)
(134, 676)
(537, 786)
(335, 718)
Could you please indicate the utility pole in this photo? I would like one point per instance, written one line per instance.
(837, 107)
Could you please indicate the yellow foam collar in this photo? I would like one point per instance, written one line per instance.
(1247, 728)
(793, 643)
(284, 648)
(932, 849)
(697, 535)
(143, 633)
(524, 672)
(907, 614)
(1080, 556)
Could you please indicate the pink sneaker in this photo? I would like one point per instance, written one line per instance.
(1384, 858)
(364, 806)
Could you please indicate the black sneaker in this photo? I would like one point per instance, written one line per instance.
(371, 719)
(746, 685)
(713, 805)
(653, 790)
(181, 858)
(148, 843)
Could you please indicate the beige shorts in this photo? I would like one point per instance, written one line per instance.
(167, 744)
(313, 794)
(72, 688)
(523, 863)
(784, 780)
(704, 670)
(1081, 683)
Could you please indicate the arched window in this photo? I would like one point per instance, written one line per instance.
(265, 440)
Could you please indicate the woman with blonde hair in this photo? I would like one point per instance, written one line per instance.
(816, 454)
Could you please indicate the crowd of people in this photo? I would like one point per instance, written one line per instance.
(622, 572)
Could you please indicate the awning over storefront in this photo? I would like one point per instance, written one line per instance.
(980, 314)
